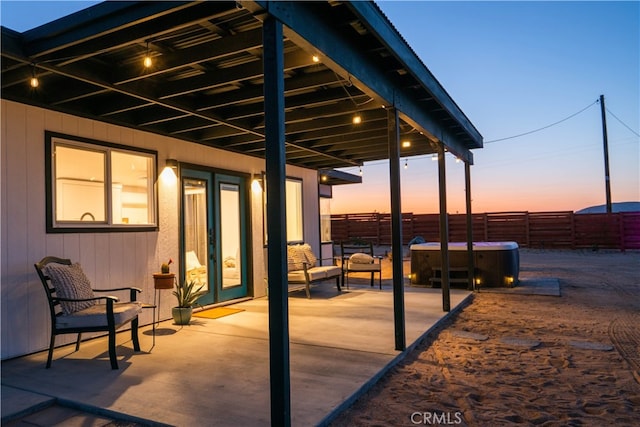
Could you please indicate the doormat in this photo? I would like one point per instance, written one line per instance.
(215, 313)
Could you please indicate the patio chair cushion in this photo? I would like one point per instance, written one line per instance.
(70, 281)
(360, 258)
(315, 273)
(330, 270)
(96, 315)
(373, 267)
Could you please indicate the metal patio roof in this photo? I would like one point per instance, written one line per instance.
(206, 81)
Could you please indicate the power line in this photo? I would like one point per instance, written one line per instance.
(623, 123)
(544, 127)
(380, 162)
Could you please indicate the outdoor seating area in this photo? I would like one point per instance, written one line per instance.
(230, 356)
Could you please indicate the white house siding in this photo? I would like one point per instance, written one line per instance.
(110, 260)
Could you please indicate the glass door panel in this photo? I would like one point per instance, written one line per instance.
(230, 200)
(230, 235)
(196, 235)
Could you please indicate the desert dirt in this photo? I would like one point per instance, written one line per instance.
(506, 359)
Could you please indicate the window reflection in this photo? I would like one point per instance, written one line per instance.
(294, 210)
(195, 231)
(230, 233)
(131, 186)
(80, 184)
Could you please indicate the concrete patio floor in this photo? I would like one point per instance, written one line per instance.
(216, 371)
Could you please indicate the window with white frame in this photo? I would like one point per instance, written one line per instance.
(293, 206)
(96, 186)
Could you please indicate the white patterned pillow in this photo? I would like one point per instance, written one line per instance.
(308, 254)
(361, 258)
(70, 282)
(295, 258)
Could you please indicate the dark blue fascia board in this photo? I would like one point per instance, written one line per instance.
(319, 33)
(11, 41)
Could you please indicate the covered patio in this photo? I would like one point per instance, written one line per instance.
(216, 371)
(314, 85)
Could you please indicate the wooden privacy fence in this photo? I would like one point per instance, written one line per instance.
(561, 230)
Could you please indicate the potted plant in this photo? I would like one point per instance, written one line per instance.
(164, 279)
(187, 294)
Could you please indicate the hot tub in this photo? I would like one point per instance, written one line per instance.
(496, 263)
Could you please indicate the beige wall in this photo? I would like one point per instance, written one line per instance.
(109, 259)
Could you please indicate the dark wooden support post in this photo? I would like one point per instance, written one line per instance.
(393, 132)
(470, 263)
(444, 229)
(280, 373)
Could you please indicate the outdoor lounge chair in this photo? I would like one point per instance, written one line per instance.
(304, 269)
(358, 257)
(75, 309)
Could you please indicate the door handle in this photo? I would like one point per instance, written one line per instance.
(212, 240)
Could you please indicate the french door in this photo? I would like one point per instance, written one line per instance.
(214, 233)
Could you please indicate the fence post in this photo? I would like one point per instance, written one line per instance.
(486, 227)
(621, 232)
(573, 231)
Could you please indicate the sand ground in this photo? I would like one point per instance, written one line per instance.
(507, 359)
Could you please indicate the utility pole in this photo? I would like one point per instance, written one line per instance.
(607, 182)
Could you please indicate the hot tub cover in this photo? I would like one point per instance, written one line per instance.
(462, 246)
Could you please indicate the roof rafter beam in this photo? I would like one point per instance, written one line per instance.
(164, 103)
(113, 25)
(256, 93)
(344, 53)
(194, 55)
(226, 76)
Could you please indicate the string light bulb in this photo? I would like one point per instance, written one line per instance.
(148, 62)
(315, 58)
(360, 171)
(406, 163)
(33, 81)
(357, 119)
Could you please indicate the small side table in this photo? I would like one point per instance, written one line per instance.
(160, 281)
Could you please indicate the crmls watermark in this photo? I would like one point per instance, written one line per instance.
(437, 418)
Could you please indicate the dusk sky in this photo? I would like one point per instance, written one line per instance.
(512, 67)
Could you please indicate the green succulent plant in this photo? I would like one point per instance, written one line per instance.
(187, 294)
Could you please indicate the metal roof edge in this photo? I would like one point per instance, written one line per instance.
(388, 34)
